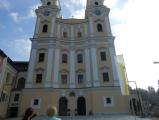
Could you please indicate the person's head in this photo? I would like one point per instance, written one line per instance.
(29, 113)
(51, 111)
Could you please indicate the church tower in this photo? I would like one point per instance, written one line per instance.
(73, 63)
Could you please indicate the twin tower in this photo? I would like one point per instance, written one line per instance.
(73, 63)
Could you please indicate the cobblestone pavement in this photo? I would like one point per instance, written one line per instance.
(106, 117)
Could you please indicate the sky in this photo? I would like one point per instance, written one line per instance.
(134, 23)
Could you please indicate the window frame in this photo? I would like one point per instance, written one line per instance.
(64, 79)
(80, 81)
(106, 103)
(80, 58)
(65, 34)
(99, 27)
(79, 34)
(45, 28)
(41, 57)
(103, 56)
(105, 76)
(40, 79)
(64, 58)
(36, 106)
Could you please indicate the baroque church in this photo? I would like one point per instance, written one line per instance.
(73, 65)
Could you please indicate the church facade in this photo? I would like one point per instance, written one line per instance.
(73, 64)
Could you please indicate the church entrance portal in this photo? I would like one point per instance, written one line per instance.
(81, 106)
(63, 106)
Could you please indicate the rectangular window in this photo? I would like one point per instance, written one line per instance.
(105, 77)
(65, 34)
(103, 56)
(79, 34)
(108, 100)
(80, 58)
(64, 79)
(39, 78)
(16, 98)
(36, 102)
(80, 78)
(64, 58)
(41, 57)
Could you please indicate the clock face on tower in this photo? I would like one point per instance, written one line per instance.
(46, 13)
(97, 12)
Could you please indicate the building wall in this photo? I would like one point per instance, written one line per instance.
(94, 100)
(8, 82)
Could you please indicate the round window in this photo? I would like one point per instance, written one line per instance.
(96, 3)
(48, 3)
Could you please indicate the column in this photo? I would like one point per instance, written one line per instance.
(72, 69)
(31, 68)
(108, 28)
(37, 27)
(96, 81)
(91, 26)
(49, 68)
(56, 69)
(52, 27)
(58, 30)
(114, 66)
(88, 69)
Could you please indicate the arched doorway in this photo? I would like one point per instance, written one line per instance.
(63, 106)
(81, 106)
(21, 84)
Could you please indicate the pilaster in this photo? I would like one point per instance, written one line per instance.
(49, 68)
(56, 68)
(31, 68)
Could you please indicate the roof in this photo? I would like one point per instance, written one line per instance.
(20, 66)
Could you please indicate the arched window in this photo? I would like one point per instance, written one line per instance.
(99, 28)
(48, 3)
(96, 3)
(45, 28)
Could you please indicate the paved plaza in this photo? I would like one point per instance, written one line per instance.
(105, 117)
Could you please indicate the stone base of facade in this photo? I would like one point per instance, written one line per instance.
(106, 100)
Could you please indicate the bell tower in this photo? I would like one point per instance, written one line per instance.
(96, 10)
(46, 18)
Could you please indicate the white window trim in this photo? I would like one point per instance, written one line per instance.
(36, 106)
(106, 104)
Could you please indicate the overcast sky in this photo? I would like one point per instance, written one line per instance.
(135, 24)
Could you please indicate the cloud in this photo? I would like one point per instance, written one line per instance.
(78, 14)
(4, 4)
(15, 16)
(137, 38)
(20, 29)
(30, 14)
(21, 47)
(76, 8)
